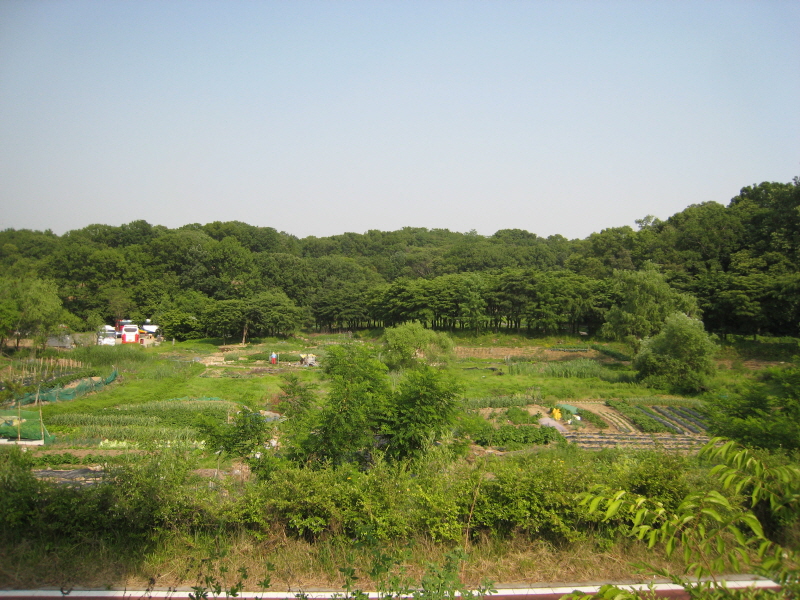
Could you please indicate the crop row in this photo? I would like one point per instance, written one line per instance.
(83, 419)
(617, 422)
(130, 433)
(593, 418)
(641, 420)
(672, 414)
(509, 435)
(669, 425)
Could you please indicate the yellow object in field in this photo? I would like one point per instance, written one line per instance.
(556, 414)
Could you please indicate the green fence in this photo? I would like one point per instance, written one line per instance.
(84, 387)
(25, 425)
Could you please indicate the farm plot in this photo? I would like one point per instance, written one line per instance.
(670, 443)
(674, 428)
(149, 422)
(617, 423)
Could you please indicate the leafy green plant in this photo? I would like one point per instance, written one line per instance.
(519, 416)
(712, 533)
(511, 437)
(680, 355)
(593, 418)
(410, 344)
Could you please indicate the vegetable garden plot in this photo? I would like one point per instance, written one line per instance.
(677, 443)
(159, 421)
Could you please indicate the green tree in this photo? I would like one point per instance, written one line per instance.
(345, 428)
(9, 311)
(422, 410)
(120, 304)
(767, 414)
(226, 318)
(270, 313)
(472, 303)
(248, 435)
(680, 356)
(180, 325)
(38, 308)
(645, 300)
(410, 344)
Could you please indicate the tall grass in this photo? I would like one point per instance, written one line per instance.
(608, 351)
(582, 368)
(106, 356)
(534, 397)
(166, 370)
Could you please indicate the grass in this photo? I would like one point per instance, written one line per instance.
(762, 348)
(302, 566)
(139, 388)
(580, 368)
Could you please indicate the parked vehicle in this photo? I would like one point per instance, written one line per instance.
(130, 334)
(107, 338)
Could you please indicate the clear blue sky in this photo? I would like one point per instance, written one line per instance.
(320, 117)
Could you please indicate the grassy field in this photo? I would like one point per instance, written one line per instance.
(303, 522)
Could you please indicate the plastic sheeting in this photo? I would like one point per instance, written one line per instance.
(548, 422)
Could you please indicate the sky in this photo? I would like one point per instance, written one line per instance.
(321, 117)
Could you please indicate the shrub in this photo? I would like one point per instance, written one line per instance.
(680, 356)
(518, 416)
(19, 498)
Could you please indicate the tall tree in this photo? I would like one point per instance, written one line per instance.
(645, 300)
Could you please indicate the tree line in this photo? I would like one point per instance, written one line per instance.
(738, 262)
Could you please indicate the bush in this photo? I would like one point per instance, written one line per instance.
(19, 498)
(519, 416)
(410, 344)
(680, 356)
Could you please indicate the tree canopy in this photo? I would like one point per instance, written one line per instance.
(737, 263)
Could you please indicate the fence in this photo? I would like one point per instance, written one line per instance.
(85, 386)
(25, 425)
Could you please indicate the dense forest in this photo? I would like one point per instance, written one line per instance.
(741, 262)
